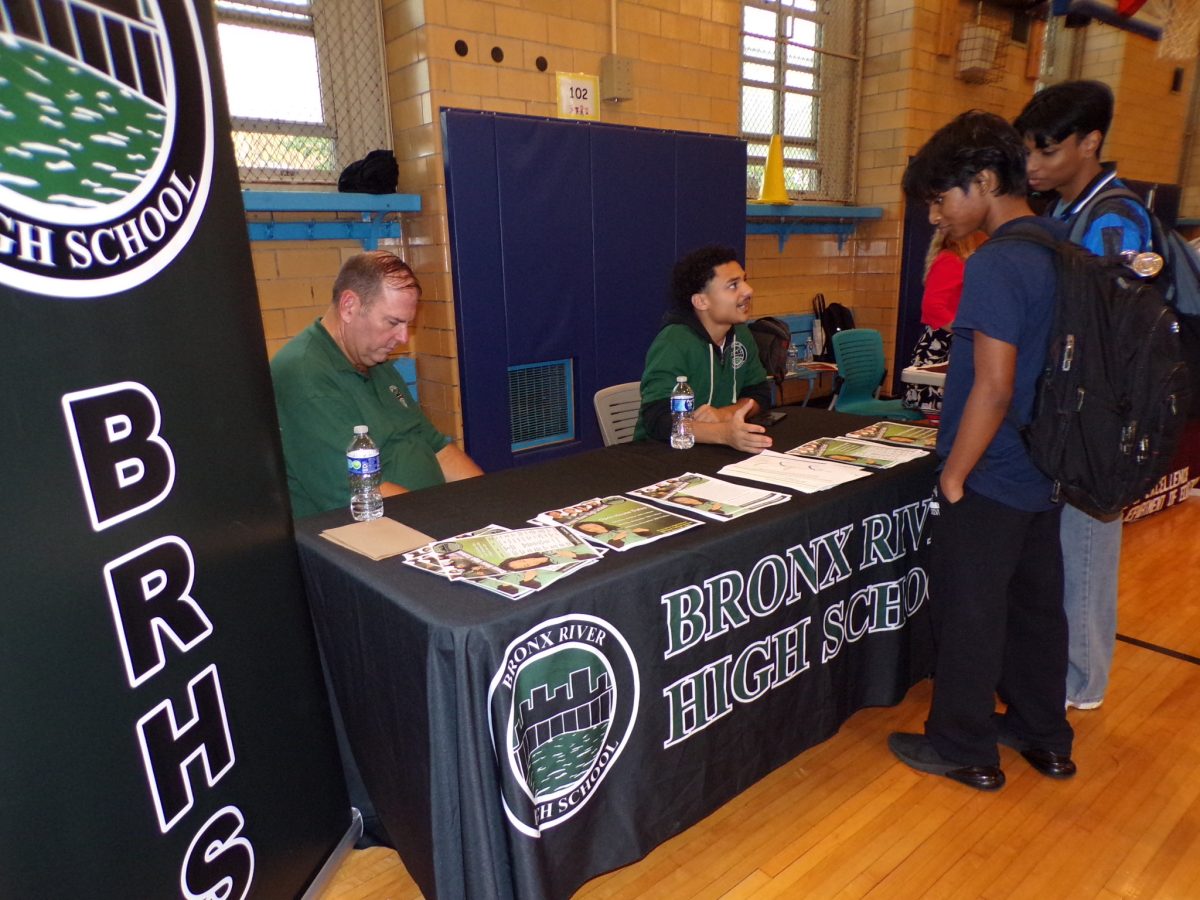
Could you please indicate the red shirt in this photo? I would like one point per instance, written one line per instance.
(943, 288)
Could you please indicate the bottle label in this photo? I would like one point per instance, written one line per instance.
(363, 462)
(682, 404)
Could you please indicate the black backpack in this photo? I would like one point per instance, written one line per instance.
(1179, 280)
(773, 338)
(375, 173)
(833, 318)
(1114, 393)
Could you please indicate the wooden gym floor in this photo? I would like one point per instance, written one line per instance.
(845, 819)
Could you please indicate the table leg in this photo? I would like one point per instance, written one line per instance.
(808, 384)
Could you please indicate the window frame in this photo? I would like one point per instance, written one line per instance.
(301, 17)
(804, 154)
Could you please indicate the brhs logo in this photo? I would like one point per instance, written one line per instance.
(562, 706)
(106, 142)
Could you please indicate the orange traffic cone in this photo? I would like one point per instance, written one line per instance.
(773, 189)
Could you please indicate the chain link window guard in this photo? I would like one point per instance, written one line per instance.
(801, 62)
(305, 84)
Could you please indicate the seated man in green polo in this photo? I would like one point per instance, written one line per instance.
(333, 376)
(704, 336)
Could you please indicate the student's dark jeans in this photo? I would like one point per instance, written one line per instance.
(996, 597)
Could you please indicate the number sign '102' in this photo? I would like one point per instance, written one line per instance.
(577, 94)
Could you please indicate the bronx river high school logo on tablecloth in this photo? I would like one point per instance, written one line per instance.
(106, 142)
(562, 706)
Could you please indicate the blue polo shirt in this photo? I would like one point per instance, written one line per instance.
(1008, 294)
(1123, 223)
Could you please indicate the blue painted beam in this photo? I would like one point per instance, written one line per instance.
(372, 207)
(784, 220)
(812, 212)
(328, 201)
(366, 233)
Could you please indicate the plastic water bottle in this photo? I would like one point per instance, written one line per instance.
(810, 352)
(793, 359)
(362, 464)
(683, 401)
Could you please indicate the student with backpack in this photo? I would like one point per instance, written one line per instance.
(995, 571)
(1064, 127)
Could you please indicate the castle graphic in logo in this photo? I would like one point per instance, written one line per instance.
(106, 142)
(563, 704)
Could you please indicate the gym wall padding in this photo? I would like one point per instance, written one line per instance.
(562, 236)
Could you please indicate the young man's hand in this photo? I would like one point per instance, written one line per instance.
(950, 489)
(706, 412)
(742, 435)
(987, 405)
(709, 413)
(727, 425)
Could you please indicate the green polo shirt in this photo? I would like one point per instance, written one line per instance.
(320, 397)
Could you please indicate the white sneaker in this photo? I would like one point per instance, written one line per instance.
(1089, 704)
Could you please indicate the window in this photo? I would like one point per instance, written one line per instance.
(800, 79)
(305, 85)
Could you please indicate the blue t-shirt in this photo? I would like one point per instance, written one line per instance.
(1008, 294)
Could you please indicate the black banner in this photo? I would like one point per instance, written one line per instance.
(166, 730)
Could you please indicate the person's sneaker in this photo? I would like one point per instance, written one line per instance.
(916, 751)
(1049, 763)
(1084, 704)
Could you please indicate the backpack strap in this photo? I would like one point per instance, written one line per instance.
(1030, 232)
(1112, 199)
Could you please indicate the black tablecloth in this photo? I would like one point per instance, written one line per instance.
(663, 680)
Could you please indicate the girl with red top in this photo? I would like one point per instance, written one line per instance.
(944, 264)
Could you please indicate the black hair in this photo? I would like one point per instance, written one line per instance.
(960, 150)
(510, 565)
(693, 272)
(1070, 108)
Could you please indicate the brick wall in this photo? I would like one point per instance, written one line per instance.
(295, 280)
(1147, 134)
(685, 74)
(909, 90)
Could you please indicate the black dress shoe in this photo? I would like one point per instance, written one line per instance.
(916, 751)
(1052, 765)
(1049, 763)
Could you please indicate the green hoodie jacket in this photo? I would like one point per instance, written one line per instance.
(719, 376)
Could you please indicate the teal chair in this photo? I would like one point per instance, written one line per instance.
(858, 353)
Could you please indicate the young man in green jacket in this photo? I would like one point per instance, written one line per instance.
(704, 336)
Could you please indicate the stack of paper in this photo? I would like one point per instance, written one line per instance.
(512, 563)
(900, 433)
(617, 522)
(856, 452)
(376, 538)
(798, 473)
(708, 496)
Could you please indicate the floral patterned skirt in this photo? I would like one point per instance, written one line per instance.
(933, 346)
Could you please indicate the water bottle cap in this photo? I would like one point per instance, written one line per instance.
(682, 379)
(360, 429)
